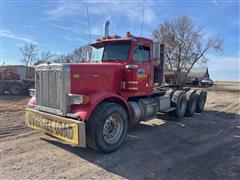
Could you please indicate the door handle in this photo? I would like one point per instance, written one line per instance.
(131, 66)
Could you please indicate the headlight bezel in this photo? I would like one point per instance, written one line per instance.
(78, 99)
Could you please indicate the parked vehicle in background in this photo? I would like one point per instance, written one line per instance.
(12, 83)
(206, 82)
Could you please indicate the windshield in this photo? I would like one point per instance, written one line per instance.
(111, 51)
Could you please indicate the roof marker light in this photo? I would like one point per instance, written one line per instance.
(116, 36)
(107, 37)
(128, 34)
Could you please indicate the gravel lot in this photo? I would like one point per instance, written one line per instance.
(206, 146)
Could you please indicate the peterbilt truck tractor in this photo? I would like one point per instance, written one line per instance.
(93, 104)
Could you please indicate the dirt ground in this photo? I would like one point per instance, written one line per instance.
(206, 146)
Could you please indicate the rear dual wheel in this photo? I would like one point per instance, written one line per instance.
(179, 102)
(187, 103)
(107, 127)
(191, 103)
(201, 100)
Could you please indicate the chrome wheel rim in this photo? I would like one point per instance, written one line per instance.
(182, 105)
(193, 105)
(112, 129)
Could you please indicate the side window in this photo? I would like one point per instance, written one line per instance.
(141, 54)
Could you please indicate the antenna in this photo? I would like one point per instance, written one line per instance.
(142, 17)
(89, 36)
(89, 30)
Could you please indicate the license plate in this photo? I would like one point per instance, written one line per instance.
(63, 128)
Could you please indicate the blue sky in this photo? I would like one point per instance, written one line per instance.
(61, 26)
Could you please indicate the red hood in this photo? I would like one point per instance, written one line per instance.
(93, 77)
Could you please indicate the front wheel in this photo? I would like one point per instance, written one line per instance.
(107, 127)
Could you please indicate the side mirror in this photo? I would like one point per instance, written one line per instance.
(158, 51)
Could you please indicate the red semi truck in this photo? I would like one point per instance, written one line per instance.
(93, 104)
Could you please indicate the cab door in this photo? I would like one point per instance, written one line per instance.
(141, 58)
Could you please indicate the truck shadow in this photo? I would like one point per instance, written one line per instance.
(169, 149)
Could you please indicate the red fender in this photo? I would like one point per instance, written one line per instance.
(84, 111)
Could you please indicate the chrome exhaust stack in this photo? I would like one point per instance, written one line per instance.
(106, 28)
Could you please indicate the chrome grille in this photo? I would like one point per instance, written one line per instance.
(52, 86)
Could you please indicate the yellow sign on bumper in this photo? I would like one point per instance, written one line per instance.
(67, 129)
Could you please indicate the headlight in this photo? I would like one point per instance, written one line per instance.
(78, 99)
(32, 92)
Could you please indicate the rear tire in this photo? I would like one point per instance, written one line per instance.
(191, 103)
(179, 101)
(201, 100)
(16, 88)
(107, 127)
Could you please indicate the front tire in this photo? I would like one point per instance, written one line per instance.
(107, 127)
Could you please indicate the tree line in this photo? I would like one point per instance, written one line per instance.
(31, 57)
(186, 44)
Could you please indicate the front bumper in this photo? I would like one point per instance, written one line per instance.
(66, 129)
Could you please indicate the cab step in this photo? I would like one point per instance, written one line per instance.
(167, 110)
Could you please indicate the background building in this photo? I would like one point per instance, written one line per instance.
(193, 77)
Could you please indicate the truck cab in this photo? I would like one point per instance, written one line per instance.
(93, 104)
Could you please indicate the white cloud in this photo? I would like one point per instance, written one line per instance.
(74, 29)
(96, 31)
(74, 39)
(63, 9)
(30, 27)
(224, 63)
(149, 16)
(131, 10)
(8, 34)
(216, 3)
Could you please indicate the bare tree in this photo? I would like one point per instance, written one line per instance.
(62, 58)
(47, 56)
(185, 45)
(29, 52)
(81, 54)
(78, 55)
(59, 58)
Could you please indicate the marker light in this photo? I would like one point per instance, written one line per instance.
(116, 36)
(128, 34)
(78, 99)
(107, 37)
